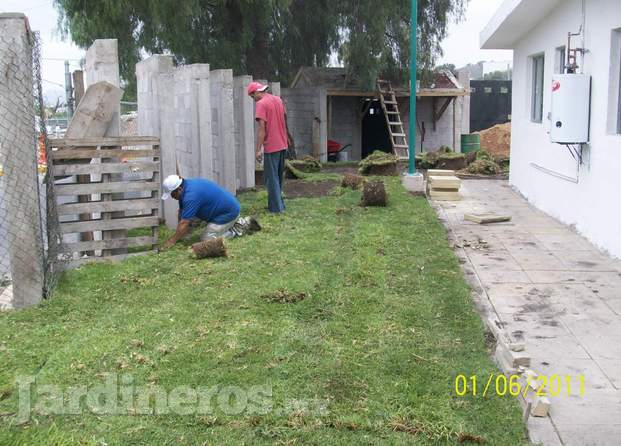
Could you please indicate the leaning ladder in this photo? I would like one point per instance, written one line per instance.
(393, 119)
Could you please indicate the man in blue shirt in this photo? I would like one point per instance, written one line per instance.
(204, 200)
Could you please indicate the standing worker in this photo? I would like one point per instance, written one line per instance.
(273, 140)
(201, 199)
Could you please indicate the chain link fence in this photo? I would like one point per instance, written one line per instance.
(30, 239)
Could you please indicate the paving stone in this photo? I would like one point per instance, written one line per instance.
(564, 242)
(574, 434)
(602, 407)
(612, 369)
(585, 261)
(541, 431)
(493, 276)
(537, 259)
(594, 377)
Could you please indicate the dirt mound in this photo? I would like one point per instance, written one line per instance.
(379, 163)
(497, 140)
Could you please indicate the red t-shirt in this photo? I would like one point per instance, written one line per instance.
(271, 110)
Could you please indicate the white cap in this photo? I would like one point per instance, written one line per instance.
(171, 183)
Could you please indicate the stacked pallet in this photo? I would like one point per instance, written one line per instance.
(443, 185)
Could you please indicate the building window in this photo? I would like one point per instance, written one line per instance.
(561, 57)
(536, 113)
(504, 90)
(488, 90)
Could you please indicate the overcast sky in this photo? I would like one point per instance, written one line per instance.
(460, 47)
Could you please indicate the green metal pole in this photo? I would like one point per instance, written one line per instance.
(413, 55)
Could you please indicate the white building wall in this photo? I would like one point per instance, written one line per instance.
(545, 173)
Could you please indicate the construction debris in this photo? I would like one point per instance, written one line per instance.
(444, 187)
(374, 194)
(487, 218)
(209, 248)
(483, 167)
(510, 360)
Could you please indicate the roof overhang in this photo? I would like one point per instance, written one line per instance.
(513, 20)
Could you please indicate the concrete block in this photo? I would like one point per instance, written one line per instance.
(223, 128)
(147, 76)
(540, 407)
(444, 196)
(96, 111)
(514, 359)
(414, 183)
(244, 133)
(274, 88)
(444, 182)
(440, 173)
(102, 64)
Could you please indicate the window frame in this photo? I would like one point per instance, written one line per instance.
(537, 87)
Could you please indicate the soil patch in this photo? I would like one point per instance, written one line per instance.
(283, 296)
(308, 189)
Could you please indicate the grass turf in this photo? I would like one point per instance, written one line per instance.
(365, 352)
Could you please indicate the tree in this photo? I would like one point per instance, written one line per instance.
(498, 75)
(268, 39)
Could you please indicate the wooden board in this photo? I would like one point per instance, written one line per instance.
(103, 153)
(98, 169)
(440, 173)
(109, 225)
(106, 188)
(144, 204)
(109, 244)
(445, 196)
(444, 182)
(106, 142)
(487, 218)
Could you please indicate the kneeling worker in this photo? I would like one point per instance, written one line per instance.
(205, 200)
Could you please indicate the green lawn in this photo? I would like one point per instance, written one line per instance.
(367, 354)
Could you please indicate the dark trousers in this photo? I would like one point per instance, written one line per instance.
(273, 176)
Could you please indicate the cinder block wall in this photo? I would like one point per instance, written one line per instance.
(301, 105)
(346, 124)
(444, 127)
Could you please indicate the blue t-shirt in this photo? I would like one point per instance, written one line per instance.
(206, 200)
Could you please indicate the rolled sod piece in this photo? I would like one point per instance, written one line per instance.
(209, 248)
(374, 194)
(352, 181)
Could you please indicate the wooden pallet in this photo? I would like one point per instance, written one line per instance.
(390, 107)
(109, 158)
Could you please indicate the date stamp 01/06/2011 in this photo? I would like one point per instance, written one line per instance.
(553, 386)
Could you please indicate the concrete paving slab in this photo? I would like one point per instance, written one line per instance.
(589, 434)
(547, 286)
(594, 376)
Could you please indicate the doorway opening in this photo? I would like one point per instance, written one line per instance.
(374, 129)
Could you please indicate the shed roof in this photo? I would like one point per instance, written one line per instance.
(337, 83)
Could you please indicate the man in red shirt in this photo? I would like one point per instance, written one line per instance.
(273, 141)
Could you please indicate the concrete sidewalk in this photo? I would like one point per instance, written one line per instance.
(539, 280)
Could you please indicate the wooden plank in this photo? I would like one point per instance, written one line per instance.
(108, 244)
(487, 218)
(109, 225)
(72, 264)
(445, 196)
(87, 169)
(106, 153)
(106, 142)
(143, 204)
(440, 172)
(444, 182)
(106, 188)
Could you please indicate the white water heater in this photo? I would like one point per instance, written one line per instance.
(571, 108)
